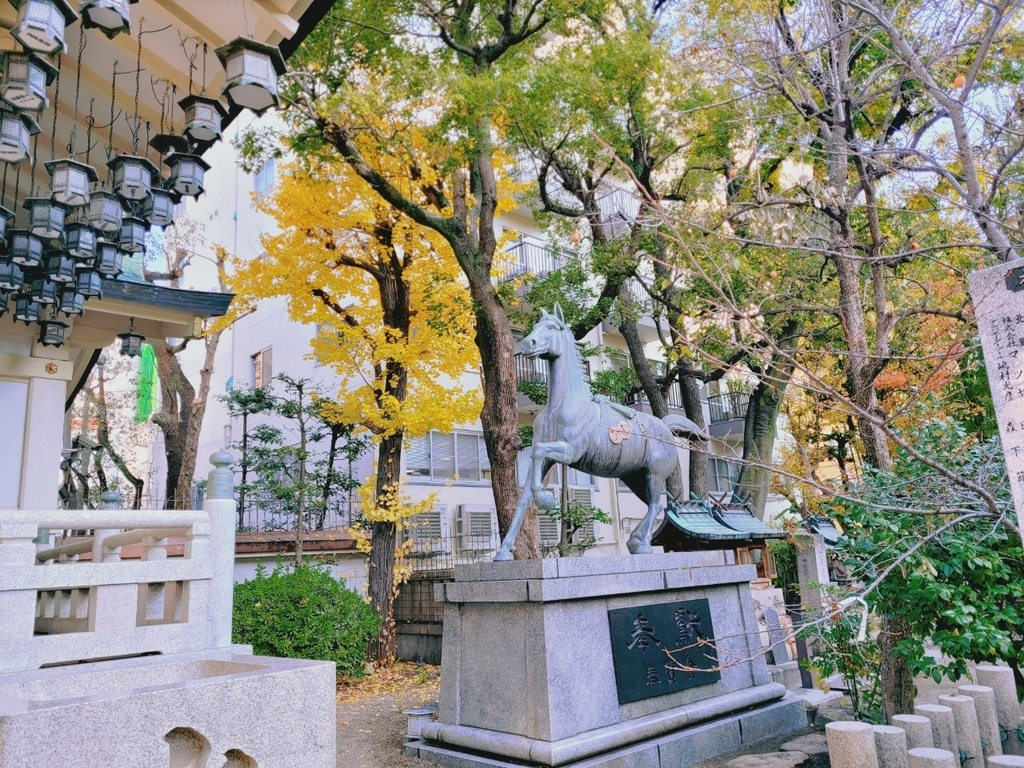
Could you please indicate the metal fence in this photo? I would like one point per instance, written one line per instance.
(533, 258)
(727, 407)
(440, 553)
(263, 512)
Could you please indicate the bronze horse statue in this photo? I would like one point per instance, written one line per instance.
(594, 435)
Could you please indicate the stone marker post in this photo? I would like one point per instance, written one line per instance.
(220, 505)
(943, 727)
(1000, 680)
(922, 757)
(988, 721)
(891, 746)
(968, 736)
(851, 745)
(998, 297)
(918, 728)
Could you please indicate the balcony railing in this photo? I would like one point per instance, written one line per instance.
(728, 407)
(674, 397)
(537, 370)
(532, 258)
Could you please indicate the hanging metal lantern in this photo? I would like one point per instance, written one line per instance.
(5, 298)
(133, 235)
(108, 258)
(204, 118)
(43, 290)
(111, 17)
(89, 284)
(105, 212)
(6, 217)
(25, 248)
(158, 208)
(186, 174)
(252, 70)
(26, 310)
(80, 241)
(133, 176)
(71, 302)
(60, 267)
(25, 79)
(41, 23)
(46, 218)
(131, 342)
(70, 180)
(16, 128)
(11, 275)
(51, 332)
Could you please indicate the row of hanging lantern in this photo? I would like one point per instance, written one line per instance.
(79, 232)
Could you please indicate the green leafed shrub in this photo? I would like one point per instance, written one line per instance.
(304, 613)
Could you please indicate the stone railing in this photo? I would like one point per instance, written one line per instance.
(81, 601)
(979, 726)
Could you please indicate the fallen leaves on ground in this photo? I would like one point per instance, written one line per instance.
(407, 684)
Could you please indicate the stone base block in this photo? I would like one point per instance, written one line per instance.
(181, 709)
(678, 749)
(787, 674)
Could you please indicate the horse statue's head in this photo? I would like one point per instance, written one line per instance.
(551, 337)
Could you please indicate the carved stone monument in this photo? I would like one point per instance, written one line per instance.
(644, 660)
(998, 297)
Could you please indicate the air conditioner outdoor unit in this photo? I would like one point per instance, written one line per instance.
(474, 526)
(426, 531)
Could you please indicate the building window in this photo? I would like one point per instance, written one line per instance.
(261, 366)
(444, 457)
(263, 181)
(722, 476)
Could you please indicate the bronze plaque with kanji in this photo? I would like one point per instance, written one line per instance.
(643, 639)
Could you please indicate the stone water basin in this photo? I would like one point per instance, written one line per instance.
(113, 679)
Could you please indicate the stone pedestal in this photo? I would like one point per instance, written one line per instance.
(528, 674)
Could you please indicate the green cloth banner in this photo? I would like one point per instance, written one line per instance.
(145, 393)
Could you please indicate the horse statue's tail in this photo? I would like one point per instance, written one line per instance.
(683, 427)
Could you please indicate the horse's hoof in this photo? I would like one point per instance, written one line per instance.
(638, 547)
(545, 500)
(503, 556)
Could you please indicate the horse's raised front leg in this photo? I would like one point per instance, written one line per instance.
(543, 456)
(640, 540)
(509, 542)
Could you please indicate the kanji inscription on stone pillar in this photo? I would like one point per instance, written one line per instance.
(998, 297)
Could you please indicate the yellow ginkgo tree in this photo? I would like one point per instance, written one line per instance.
(395, 324)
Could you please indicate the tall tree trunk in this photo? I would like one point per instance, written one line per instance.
(381, 577)
(760, 425)
(197, 412)
(500, 415)
(176, 396)
(652, 389)
(694, 409)
(898, 689)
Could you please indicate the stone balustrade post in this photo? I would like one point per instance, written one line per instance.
(100, 554)
(18, 607)
(220, 506)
